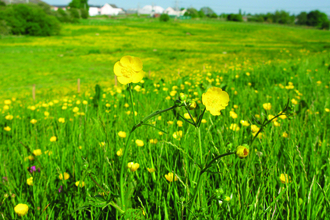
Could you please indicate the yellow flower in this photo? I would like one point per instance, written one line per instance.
(126, 105)
(203, 121)
(7, 102)
(85, 102)
(267, 106)
(294, 101)
(327, 110)
(137, 88)
(133, 166)
(234, 127)
(242, 151)
(282, 116)
(170, 177)
(120, 152)
(9, 117)
(46, 114)
(215, 100)
(153, 141)
(61, 120)
(186, 116)
(276, 124)
(29, 181)
(102, 144)
(66, 176)
(37, 152)
(284, 178)
(7, 128)
(21, 209)
(233, 114)
(170, 122)
(173, 93)
(285, 135)
(80, 184)
(245, 123)
(151, 170)
(177, 135)
(75, 109)
(259, 135)
(254, 128)
(129, 69)
(179, 123)
(33, 121)
(53, 139)
(32, 108)
(227, 198)
(139, 143)
(122, 134)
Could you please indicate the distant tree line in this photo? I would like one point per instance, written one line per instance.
(39, 19)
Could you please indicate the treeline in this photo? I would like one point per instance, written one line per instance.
(313, 18)
(38, 19)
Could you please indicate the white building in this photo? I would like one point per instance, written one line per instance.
(171, 12)
(111, 9)
(94, 11)
(151, 10)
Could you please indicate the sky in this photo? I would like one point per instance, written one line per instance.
(220, 6)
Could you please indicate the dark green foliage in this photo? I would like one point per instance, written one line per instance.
(201, 14)
(74, 13)
(316, 18)
(84, 13)
(283, 17)
(26, 19)
(192, 12)
(326, 25)
(79, 4)
(63, 16)
(214, 15)
(234, 17)
(4, 28)
(164, 17)
(207, 11)
(302, 18)
(2, 3)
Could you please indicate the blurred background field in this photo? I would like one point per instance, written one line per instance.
(88, 50)
(63, 131)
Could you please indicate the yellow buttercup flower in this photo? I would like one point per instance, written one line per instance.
(139, 143)
(215, 100)
(151, 170)
(177, 135)
(233, 114)
(285, 135)
(128, 70)
(7, 128)
(33, 121)
(294, 101)
(29, 181)
(80, 184)
(120, 152)
(75, 109)
(61, 120)
(245, 123)
(122, 134)
(53, 139)
(21, 209)
(153, 141)
(242, 151)
(179, 123)
(37, 152)
(9, 117)
(234, 127)
(284, 178)
(66, 176)
(170, 177)
(267, 106)
(133, 166)
(170, 122)
(254, 128)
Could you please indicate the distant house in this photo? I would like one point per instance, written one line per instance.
(94, 10)
(151, 10)
(173, 13)
(56, 7)
(111, 9)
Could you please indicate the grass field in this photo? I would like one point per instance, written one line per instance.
(73, 136)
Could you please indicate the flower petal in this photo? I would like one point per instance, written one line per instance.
(137, 77)
(136, 64)
(126, 61)
(124, 80)
(117, 69)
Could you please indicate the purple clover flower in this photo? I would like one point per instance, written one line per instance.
(60, 189)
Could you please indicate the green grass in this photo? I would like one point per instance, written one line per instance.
(274, 55)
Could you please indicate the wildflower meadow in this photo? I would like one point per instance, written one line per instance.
(138, 119)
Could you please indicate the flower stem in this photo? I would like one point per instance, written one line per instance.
(200, 144)
(132, 103)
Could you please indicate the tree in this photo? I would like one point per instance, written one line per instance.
(201, 14)
(316, 18)
(207, 11)
(191, 12)
(302, 18)
(79, 4)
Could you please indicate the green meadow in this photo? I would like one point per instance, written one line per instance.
(66, 154)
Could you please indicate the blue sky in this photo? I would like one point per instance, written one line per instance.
(221, 6)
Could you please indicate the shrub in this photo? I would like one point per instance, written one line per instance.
(4, 28)
(28, 19)
(192, 12)
(84, 13)
(164, 17)
(326, 25)
(74, 13)
(234, 17)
